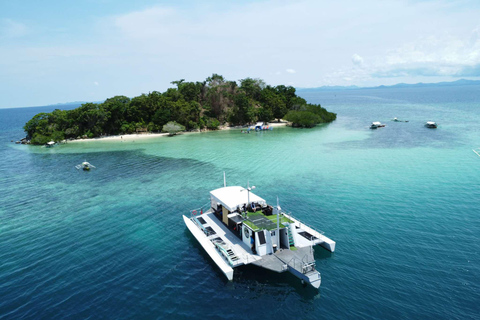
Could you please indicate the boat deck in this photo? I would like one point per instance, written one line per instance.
(217, 229)
(280, 260)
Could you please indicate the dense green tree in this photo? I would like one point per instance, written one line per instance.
(242, 111)
(36, 124)
(252, 87)
(191, 105)
(117, 107)
(302, 118)
(309, 115)
(274, 104)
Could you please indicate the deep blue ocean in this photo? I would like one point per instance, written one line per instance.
(402, 203)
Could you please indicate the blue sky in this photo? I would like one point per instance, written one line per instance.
(90, 50)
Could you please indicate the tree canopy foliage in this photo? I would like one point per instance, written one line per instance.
(309, 115)
(192, 105)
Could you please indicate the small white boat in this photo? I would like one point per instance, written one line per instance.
(86, 166)
(376, 125)
(431, 124)
(238, 228)
(50, 144)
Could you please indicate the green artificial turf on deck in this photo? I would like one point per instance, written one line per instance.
(272, 218)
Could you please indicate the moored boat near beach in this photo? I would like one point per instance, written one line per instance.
(431, 124)
(259, 126)
(376, 125)
(240, 228)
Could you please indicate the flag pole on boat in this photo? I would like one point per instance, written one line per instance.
(278, 224)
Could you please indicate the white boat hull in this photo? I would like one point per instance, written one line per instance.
(209, 247)
(321, 240)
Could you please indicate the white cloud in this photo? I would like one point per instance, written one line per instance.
(357, 60)
(208, 41)
(145, 49)
(12, 29)
(95, 83)
(434, 56)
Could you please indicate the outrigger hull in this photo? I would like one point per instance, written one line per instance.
(318, 238)
(209, 248)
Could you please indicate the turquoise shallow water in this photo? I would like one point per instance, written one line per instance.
(402, 202)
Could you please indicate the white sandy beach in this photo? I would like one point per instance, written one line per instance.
(138, 136)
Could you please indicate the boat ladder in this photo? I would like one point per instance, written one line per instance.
(291, 242)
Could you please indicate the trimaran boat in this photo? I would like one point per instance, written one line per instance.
(238, 228)
(86, 166)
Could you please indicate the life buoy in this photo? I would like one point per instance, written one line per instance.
(194, 212)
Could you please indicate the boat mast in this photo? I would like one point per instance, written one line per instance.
(278, 225)
(248, 190)
(224, 180)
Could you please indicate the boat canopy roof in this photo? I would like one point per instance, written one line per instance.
(51, 143)
(376, 123)
(234, 197)
(430, 122)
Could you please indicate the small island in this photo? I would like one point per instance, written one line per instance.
(191, 106)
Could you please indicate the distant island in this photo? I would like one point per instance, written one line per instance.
(190, 106)
(461, 82)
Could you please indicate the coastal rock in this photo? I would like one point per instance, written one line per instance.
(23, 141)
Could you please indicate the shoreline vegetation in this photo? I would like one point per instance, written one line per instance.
(190, 107)
(148, 135)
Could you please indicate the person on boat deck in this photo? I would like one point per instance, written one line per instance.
(253, 207)
(252, 242)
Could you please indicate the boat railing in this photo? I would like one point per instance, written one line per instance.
(301, 223)
(303, 265)
(200, 210)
